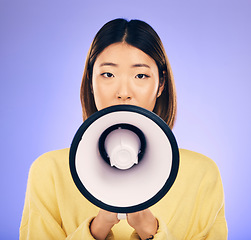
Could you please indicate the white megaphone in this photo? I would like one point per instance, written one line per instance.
(124, 159)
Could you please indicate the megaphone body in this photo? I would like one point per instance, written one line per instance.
(124, 159)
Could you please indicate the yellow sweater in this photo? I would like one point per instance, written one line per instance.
(55, 209)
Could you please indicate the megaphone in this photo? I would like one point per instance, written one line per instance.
(124, 159)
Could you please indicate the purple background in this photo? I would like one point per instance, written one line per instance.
(43, 45)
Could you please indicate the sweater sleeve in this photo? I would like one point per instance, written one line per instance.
(162, 233)
(219, 228)
(41, 215)
(214, 210)
(209, 211)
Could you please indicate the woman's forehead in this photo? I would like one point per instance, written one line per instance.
(122, 53)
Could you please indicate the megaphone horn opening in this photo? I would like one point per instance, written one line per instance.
(122, 145)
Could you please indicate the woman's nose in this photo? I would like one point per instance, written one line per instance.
(124, 92)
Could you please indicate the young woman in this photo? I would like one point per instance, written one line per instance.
(126, 64)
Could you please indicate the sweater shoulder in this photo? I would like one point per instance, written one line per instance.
(50, 161)
(194, 161)
(55, 155)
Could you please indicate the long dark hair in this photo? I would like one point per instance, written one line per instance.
(142, 36)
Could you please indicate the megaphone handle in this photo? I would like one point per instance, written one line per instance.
(121, 216)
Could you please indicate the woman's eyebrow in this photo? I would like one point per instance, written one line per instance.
(108, 64)
(140, 65)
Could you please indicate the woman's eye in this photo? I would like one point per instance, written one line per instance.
(107, 75)
(142, 76)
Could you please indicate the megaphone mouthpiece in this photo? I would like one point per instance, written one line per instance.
(122, 145)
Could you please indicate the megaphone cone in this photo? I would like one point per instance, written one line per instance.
(124, 159)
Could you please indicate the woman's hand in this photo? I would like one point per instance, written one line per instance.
(102, 224)
(143, 222)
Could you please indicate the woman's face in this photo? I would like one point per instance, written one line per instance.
(123, 74)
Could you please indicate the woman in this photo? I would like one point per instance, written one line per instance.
(126, 64)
